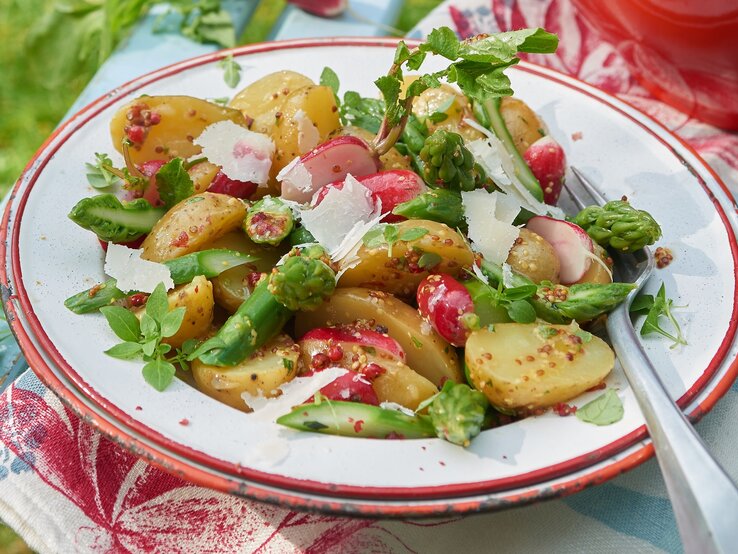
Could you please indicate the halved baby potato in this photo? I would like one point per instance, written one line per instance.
(402, 385)
(534, 365)
(179, 120)
(192, 224)
(261, 373)
(438, 246)
(426, 352)
(534, 257)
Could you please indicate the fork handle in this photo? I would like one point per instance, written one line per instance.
(704, 498)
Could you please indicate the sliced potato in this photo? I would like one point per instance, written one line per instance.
(534, 257)
(597, 272)
(197, 299)
(202, 175)
(391, 160)
(231, 287)
(262, 373)
(192, 224)
(524, 125)
(427, 353)
(319, 106)
(535, 365)
(262, 99)
(402, 385)
(181, 119)
(401, 274)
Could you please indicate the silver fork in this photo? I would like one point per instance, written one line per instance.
(704, 498)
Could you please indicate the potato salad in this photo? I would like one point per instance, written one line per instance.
(392, 266)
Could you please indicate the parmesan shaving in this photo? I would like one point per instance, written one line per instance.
(507, 207)
(297, 182)
(491, 154)
(489, 236)
(507, 276)
(133, 273)
(308, 135)
(294, 393)
(342, 219)
(242, 154)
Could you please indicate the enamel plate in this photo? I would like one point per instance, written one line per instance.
(48, 258)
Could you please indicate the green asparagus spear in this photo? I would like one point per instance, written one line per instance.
(488, 114)
(449, 163)
(619, 225)
(458, 413)
(259, 318)
(441, 205)
(561, 304)
(268, 221)
(115, 221)
(353, 419)
(304, 280)
(209, 263)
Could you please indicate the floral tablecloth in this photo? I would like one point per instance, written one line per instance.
(66, 488)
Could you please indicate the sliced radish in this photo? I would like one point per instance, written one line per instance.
(391, 187)
(326, 163)
(322, 8)
(134, 244)
(447, 305)
(570, 242)
(225, 185)
(324, 340)
(547, 161)
(351, 387)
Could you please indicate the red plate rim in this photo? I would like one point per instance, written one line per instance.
(379, 493)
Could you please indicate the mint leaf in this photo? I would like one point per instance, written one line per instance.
(641, 304)
(188, 347)
(215, 27)
(519, 293)
(429, 260)
(149, 347)
(157, 304)
(520, 311)
(174, 183)
(662, 306)
(159, 373)
(98, 176)
(374, 238)
(123, 323)
(603, 410)
(328, 78)
(231, 71)
(149, 329)
(414, 233)
(124, 350)
(171, 322)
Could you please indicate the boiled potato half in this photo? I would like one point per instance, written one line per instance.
(180, 119)
(231, 287)
(524, 125)
(197, 299)
(402, 385)
(193, 223)
(534, 365)
(442, 248)
(261, 373)
(534, 257)
(427, 353)
(447, 101)
(262, 99)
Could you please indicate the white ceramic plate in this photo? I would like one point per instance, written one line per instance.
(47, 258)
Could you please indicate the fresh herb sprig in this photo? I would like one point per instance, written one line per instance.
(477, 67)
(514, 300)
(144, 338)
(386, 233)
(231, 71)
(656, 307)
(173, 182)
(99, 175)
(606, 409)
